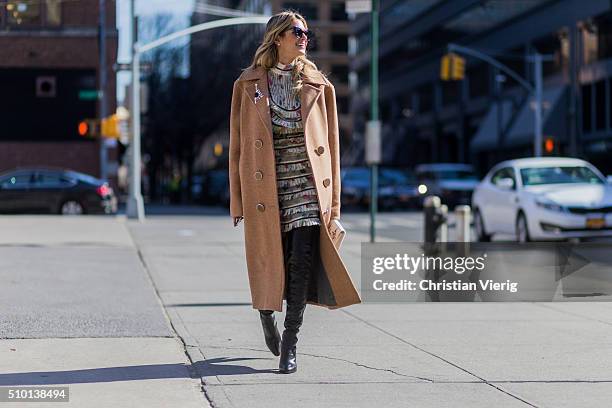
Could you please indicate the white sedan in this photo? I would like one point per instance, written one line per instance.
(545, 198)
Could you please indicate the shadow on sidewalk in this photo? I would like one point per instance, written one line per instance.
(207, 368)
(208, 304)
(216, 366)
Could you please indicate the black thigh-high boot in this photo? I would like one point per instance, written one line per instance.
(302, 247)
(270, 331)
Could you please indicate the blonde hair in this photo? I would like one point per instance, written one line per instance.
(266, 55)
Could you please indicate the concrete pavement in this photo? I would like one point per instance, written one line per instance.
(79, 310)
(142, 315)
(394, 355)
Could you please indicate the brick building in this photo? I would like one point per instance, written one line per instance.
(49, 74)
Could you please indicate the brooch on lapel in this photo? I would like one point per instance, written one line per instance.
(258, 94)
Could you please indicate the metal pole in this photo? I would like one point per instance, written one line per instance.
(103, 81)
(444, 225)
(135, 205)
(537, 141)
(462, 223)
(374, 115)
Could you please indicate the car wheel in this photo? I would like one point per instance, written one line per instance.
(522, 230)
(71, 207)
(481, 233)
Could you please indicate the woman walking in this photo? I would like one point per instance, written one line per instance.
(284, 166)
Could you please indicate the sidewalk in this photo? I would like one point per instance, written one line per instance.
(79, 310)
(392, 355)
(141, 315)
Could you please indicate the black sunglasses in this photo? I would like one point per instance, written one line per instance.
(298, 32)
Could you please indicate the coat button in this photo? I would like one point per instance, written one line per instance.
(320, 150)
(260, 207)
(258, 175)
(258, 144)
(326, 182)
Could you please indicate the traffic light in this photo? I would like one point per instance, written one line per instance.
(110, 127)
(452, 67)
(89, 128)
(218, 149)
(458, 68)
(549, 145)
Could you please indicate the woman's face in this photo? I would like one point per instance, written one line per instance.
(290, 47)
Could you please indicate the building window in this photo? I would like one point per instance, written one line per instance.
(23, 13)
(340, 74)
(338, 11)
(339, 43)
(307, 10)
(54, 12)
(28, 13)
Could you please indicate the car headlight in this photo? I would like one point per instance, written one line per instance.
(550, 205)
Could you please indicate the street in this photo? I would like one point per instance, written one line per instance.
(158, 314)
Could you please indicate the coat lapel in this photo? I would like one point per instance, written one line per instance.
(262, 105)
(308, 96)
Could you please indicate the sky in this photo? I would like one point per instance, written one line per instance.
(181, 9)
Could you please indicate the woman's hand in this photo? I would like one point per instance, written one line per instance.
(237, 220)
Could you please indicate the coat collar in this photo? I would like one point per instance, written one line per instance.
(257, 73)
(311, 90)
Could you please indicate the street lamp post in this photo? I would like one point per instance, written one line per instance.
(103, 81)
(135, 204)
(373, 131)
(537, 140)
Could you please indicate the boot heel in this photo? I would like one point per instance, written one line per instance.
(271, 333)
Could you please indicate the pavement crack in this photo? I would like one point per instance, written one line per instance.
(193, 372)
(434, 355)
(332, 358)
(369, 367)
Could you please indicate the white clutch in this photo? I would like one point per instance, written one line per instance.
(336, 232)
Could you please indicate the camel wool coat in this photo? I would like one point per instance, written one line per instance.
(253, 191)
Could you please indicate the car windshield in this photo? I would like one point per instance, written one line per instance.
(356, 174)
(84, 177)
(455, 175)
(559, 175)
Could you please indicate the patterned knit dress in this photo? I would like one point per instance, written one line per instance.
(297, 195)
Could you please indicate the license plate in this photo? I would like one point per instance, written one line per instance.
(595, 223)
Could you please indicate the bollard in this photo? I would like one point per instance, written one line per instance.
(463, 219)
(444, 226)
(433, 217)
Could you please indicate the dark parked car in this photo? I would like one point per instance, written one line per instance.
(355, 185)
(396, 188)
(36, 190)
(454, 183)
